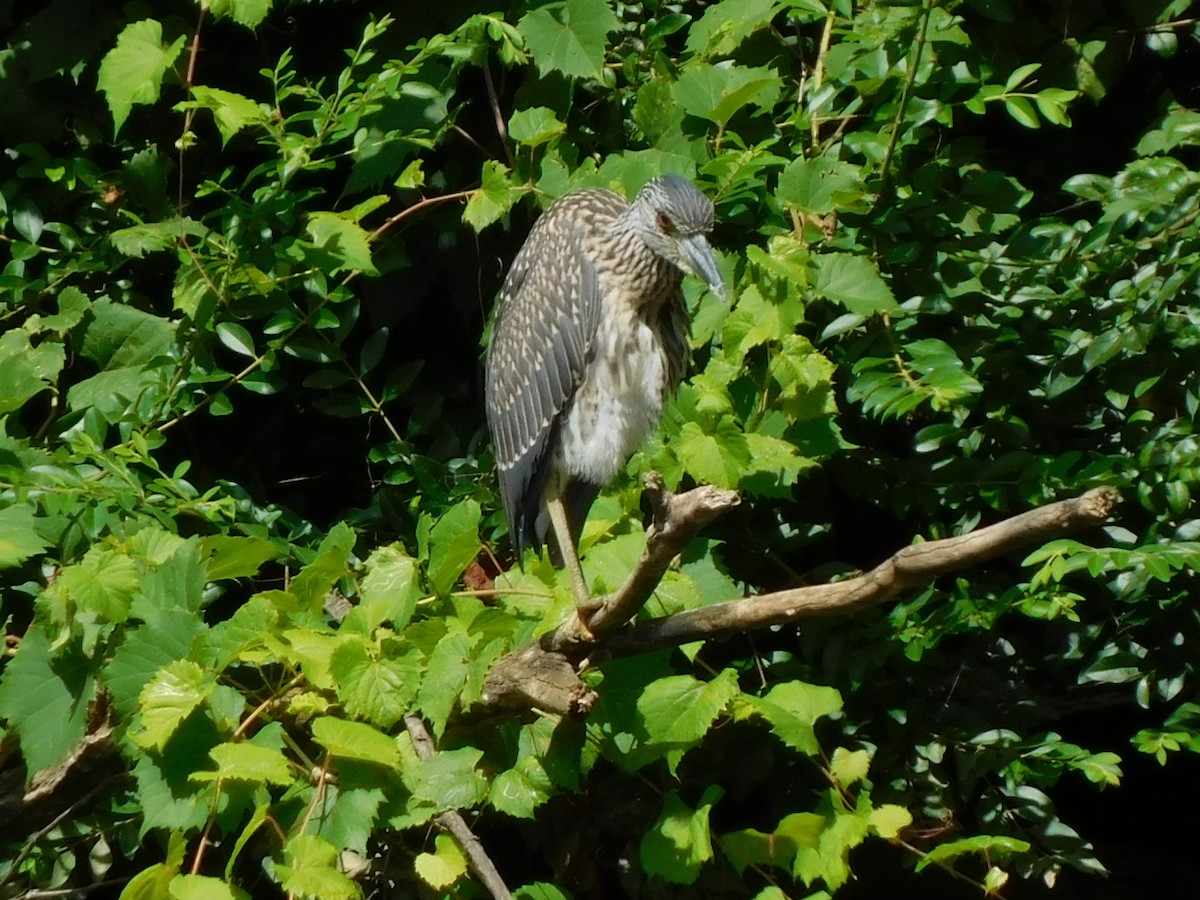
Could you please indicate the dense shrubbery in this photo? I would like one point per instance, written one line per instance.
(239, 381)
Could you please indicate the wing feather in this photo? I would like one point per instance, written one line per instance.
(547, 320)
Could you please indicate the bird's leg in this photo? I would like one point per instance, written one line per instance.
(584, 604)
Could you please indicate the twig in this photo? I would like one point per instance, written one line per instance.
(677, 519)
(543, 674)
(453, 822)
(914, 565)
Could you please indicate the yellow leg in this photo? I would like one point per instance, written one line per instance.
(566, 547)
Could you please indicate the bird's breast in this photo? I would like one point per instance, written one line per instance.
(620, 399)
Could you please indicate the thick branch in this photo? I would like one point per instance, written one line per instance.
(677, 518)
(914, 565)
(453, 822)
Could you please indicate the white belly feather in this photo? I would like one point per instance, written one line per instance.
(619, 402)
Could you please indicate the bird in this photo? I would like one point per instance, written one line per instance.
(589, 341)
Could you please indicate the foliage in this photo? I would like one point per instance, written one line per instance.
(247, 515)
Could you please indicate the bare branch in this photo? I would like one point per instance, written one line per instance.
(677, 519)
(912, 566)
(453, 822)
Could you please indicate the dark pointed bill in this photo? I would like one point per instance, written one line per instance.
(702, 261)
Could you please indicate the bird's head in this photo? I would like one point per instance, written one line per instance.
(674, 220)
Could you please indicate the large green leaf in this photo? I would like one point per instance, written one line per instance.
(26, 370)
(569, 37)
(18, 539)
(44, 697)
(679, 844)
(132, 72)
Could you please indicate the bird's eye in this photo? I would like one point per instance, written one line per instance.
(665, 225)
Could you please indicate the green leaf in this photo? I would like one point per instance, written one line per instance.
(26, 370)
(793, 708)
(725, 25)
(245, 12)
(680, 709)
(231, 556)
(378, 690)
(569, 37)
(445, 675)
(854, 282)
(494, 197)
(232, 112)
(444, 867)
(718, 458)
(848, 767)
(236, 338)
(889, 820)
(243, 761)
(345, 243)
(18, 540)
(204, 887)
(716, 93)
(990, 846)
(314, 581)
(519, 791)
(821, 185)
(103, 582)
(132, 72)
(535, 126)
(354, 740)
(169, 698)
(44, 698)
(453, 544)
(145, 650)
(310, 870)
(449, 779)
(1022, 111)
(391, 586)
(679, 844)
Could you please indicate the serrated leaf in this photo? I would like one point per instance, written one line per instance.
(230, 556)
(132, 72)
(848, 767)
(26, 370)
(444, 867)
(519, 791)
(793, 708)
(103, 582)
(493, 198)
(854, 282)
(820, 185)
(167, 699)
(391, 585)
(311, 870)
(992, 846)
(889, 820)
(18, 539)
(44, 698)
(344, 241)
(453, 544)
(718, 458)
(445, 674)
(378, 690)
(355, 740)
(534, 126)
(232, 112)
(449, 779)
(570, 37)
(243, 761)
(147, 649)
(679, 844)
(245, 12)
(204, 887)
(332, 561)
(680, 709)
(716, 93)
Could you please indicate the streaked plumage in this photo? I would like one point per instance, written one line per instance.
(590, 339)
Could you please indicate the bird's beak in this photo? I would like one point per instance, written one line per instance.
(701, 260)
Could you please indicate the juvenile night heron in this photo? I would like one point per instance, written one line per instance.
(590, 340)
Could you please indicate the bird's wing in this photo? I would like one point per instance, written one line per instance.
(548, 314)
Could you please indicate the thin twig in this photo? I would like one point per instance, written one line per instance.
(453, 822)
